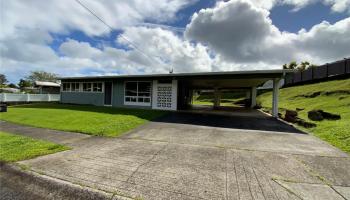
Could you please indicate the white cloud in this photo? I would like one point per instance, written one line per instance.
(336, 5)
(339, 5)
(25, 27)
(235, 35)
(166, 47)
(78, 57)
(237, 30)
(242, 33)
(62, 16)
(73, 48)
(326, 41)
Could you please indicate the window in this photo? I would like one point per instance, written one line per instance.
(97, 87)
(66, 87)
(75, 87)
(87, 87)
(138, 93)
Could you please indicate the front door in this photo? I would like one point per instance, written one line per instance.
(108, 93)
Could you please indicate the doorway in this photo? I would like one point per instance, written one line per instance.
(108, 93)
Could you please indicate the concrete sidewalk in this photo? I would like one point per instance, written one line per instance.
(163, 160)
(60, 137)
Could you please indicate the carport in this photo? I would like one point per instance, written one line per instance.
(172, 91)
(221, 81)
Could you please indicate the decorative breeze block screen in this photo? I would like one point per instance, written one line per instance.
(164, 96)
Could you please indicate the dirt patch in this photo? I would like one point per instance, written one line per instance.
(319, 115)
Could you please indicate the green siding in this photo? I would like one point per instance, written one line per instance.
(118, 93)
(97, 99)
(92, 98)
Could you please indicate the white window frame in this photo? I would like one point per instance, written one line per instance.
(129, 103)
(102, 87)
(81, 87)
(70, 87)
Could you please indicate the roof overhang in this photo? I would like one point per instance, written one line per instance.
(204, 80)
(46, 83)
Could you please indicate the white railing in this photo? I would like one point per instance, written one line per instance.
(10, 97)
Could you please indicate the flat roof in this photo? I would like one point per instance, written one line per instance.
(46, 83)
(262, 73)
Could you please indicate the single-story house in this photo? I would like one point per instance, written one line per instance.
(9, 90)
(45, 87)
(171, 91)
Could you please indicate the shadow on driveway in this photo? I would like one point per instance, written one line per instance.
(265, 123)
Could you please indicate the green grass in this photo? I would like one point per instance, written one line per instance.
(94, 120)
(15, 147)
(336, 101)
(227, 99)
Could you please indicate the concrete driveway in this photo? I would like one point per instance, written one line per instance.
(205, 156)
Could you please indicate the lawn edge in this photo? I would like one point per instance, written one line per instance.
(43, 186)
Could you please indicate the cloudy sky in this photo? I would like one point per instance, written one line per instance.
(152, 36)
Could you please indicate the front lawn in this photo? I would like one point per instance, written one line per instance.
(93, 120)
(17, 147)
(331, 96)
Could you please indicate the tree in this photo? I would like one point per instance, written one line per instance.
(291, 65)
(41, 76)
(11, 85)
(24, 83)
(304, 65)
(3, 79)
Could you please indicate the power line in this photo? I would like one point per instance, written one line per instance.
(110, 27)
(171, 28)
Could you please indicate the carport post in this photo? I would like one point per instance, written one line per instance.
(253, 97)
(275, 97)
(217, 98)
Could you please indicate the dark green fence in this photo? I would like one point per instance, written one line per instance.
(335, 69)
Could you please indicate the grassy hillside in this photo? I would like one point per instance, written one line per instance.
(227, 99)
(331, 96)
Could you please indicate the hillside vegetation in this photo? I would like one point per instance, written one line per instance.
(331, 96)
(227, 99)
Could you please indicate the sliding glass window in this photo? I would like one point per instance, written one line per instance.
(87, 87)
(97, 87)
(66, 87)
(75, 87)
(137, 93)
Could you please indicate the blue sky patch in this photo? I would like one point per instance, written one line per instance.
(286, 19)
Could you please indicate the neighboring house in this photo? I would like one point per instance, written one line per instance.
(9, 90)
(45, 87)
(162, 91)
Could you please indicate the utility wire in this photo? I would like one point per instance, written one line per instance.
(110, 27)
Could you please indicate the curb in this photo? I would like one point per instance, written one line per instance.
(25, 184)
